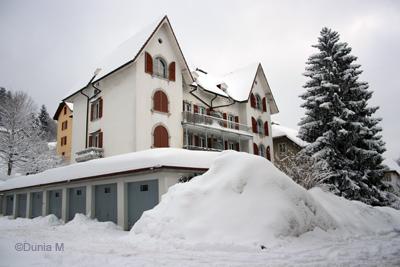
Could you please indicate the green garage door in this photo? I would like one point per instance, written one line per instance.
(106, 202)
(77, 201)
(55, 201)
(142, 196)
(37, 203)
(21, 203)
(9, 204)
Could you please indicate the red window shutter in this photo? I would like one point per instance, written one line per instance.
(157, 101)
(196, 140)
(90, 141)
(268, 153)
(226, 145)
(254, 125)
(196, 109)
(171, 71)
(264, 103)
(164, 102)
(237, 147)
(266, 128)
(208, 112)
(224, 117)
(255, 149)
(252, 100)
(101, 139)
(148, 64)
(161, 137)
(91, 112)
(101, 107)
(237, 121)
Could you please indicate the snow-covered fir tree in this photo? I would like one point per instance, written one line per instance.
(47, 124)
(339, 124)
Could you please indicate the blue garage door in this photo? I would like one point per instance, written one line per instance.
(55, 201)
(21, 209)
(37, 203)
(106, 202)
(77, 201)
(142, 196)
(9, 205)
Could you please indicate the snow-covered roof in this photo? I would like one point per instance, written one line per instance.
(124, 54)
(392, 165)
(239, 83)
(153, 158)
(279, 131)
(70, 105)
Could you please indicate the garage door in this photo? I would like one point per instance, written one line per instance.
(77, 201)
(9, 205)
(21, 209)
(37, 199)
(142, 196)
(106, 203)
(55, 201)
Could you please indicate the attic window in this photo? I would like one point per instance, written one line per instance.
(255, 82)
(159, 40)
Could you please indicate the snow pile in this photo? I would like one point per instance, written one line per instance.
(84, 223)
(242, 199)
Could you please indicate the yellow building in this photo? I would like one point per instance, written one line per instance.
(63, 116)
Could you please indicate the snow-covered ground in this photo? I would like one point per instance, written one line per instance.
(242, 212)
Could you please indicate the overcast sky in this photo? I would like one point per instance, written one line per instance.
(46, 47)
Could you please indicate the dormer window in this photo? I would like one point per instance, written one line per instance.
(160, 67)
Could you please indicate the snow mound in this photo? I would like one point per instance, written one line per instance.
(243, 200)
(357, 218)
(84, 223)
(39, 222)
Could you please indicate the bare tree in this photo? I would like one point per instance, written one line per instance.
(21, 142)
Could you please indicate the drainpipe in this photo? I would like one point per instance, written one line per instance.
(87, 104)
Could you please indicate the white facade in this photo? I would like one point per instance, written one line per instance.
(128, 119)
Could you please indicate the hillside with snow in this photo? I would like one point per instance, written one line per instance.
(242, 212)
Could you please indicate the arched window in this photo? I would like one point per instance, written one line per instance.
(258, 102)
(160, 136)
(160, 101)
(260, 129)
(266, 128)
(160, 67)
(268, 152)
(255, 149)
(262, 150)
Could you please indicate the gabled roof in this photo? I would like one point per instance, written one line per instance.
(128, 52)
(240, 83)
(60, 107)
(392, 165)
(291, 134)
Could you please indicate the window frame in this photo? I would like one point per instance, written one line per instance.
(160, 62)
(258, 102)
(96, 112)
(260, 127)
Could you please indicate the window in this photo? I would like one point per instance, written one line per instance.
(107, 190)
(231, 120)
(231, 146)
(262, 150)
(63, 154)
(202, 141)
(78, 192)
(64, 125)
(202, 110)
(160, 101)
(187, 106)
(96, 111)
(268, 153)
(282, 148)
(65, 110)
(258, 102)
(144, 187)
(96, 139)
(160, 67)
(57, 194)
(63, 141)
(160, 136)
(260, 126)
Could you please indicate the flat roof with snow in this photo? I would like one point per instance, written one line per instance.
(172, 158)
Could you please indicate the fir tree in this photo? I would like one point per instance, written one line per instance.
(339, 124)
(47, 124)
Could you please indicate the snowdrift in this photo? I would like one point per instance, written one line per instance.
(242, 199)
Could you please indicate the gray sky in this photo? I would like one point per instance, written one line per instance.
(46, 47)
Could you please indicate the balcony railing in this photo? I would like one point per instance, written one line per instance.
(89, 154)
(215, 122)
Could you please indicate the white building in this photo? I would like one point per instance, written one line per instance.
(144, 96)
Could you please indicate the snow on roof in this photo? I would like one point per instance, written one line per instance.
(70, 105)
(122, 54)
(279, 130)
(392, 165)
(209, 83)
(153, 158)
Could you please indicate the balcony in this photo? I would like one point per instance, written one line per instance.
(89, 154)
